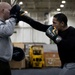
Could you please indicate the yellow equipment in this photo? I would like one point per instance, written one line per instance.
(36, 56)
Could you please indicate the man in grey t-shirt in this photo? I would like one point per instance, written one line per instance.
(6, 30)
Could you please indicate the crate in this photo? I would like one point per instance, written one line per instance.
(57, 62)
(19, 44)
(52, 59)
(18, 64)
(49, 62)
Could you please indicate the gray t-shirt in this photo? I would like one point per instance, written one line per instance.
(6, 30)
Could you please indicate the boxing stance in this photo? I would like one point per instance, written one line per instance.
(62, 35)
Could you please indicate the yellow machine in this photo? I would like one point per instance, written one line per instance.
(36, 56)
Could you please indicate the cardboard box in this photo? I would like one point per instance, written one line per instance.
(19, 44)
(20, 64)
(52, 59)
(17, 65)
(49, 62)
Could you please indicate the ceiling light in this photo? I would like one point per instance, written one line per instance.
(20, 3)
(63, 1)
(61, 5)
(26, 12)
(58, 9)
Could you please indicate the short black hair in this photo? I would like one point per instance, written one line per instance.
(61, 17)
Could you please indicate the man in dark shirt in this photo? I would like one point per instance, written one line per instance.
(64, 37)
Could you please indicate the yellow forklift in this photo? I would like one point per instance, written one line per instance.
(36, 56)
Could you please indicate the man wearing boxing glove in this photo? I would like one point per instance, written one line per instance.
(52, 33)
(60, 33)
(6, 30)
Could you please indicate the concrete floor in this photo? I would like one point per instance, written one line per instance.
(45, 71)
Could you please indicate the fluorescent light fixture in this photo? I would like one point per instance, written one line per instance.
(61, 5)
(20, 3)
(26, 12)
(63, 1)
(58, 9)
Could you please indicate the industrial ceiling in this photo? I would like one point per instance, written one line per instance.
(45, 6)
(48, 6)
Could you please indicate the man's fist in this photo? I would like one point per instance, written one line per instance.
(52, 33)
(15, 10)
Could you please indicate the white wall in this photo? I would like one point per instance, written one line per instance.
(47, 47)
(28, 34)
(71, 21)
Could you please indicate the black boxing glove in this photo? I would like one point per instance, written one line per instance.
(52, 33)
(23, 17)
(15, 11)
(18, 54)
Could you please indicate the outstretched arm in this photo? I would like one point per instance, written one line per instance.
(35, 24)
(22, 17)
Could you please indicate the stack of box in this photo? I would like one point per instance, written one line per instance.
(52, 59)
(16, 64)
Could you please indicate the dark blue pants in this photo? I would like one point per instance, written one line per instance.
(4, 68)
